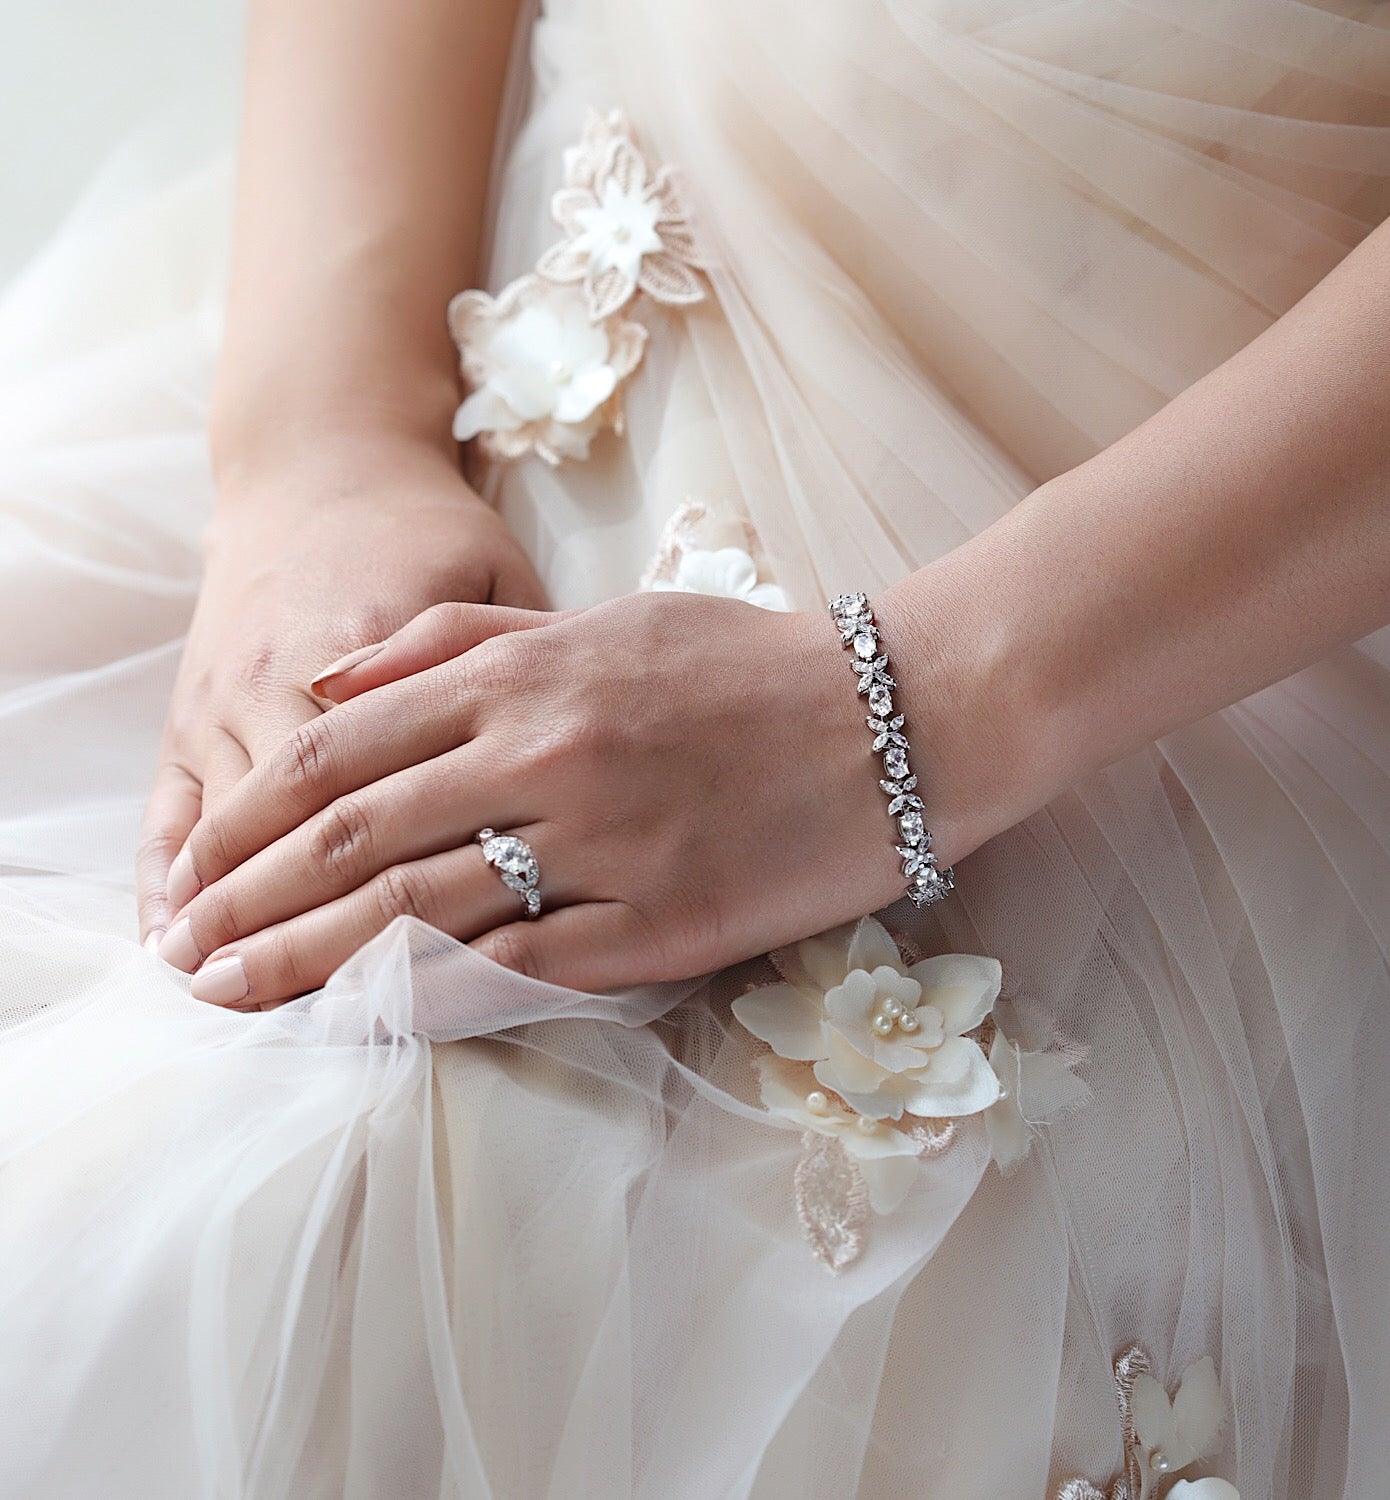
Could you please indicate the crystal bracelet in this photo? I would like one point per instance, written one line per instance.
(855, 620)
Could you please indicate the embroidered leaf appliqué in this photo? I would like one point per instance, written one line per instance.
(832, 1201)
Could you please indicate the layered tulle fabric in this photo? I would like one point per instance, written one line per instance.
(439, 1230)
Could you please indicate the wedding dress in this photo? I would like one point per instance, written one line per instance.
(443, 1231)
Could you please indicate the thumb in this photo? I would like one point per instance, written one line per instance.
(434, 636)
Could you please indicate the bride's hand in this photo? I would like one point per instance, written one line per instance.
(304, 565)
(693, 774)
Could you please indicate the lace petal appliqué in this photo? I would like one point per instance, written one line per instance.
(832, 1201)
(627, 227)
(1081, 1489)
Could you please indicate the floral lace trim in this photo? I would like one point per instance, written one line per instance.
(546, 360)
(1162, 1436)
(881, 1064)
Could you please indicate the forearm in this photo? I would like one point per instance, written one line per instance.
(366, 141)
(1235, 537)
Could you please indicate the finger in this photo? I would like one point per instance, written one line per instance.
(172, 810)
(224, 762)
(457, 892)
(227, 761)
(361, 742)
(593, 946)
(271, 722)
(434, 636)
(424, 810)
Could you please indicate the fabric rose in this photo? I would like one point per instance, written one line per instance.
(728, 572)
(542, 377)
(626, 228)
(887, 1039)
(1203, 1489)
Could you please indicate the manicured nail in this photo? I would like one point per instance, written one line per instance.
(222, 982)
(346, 664)
(179, 949)
(183, 883)
(153, 941)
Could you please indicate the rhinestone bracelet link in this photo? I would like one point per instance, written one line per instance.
(855, 621)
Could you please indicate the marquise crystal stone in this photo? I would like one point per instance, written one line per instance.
(855, 621)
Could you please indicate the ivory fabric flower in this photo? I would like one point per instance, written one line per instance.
(625, 226)
(887, 1158)
(1203, 1489)
(1178, 1432)
(727, 572)
(1034, 1089)
(887, 1039)
(542, 376)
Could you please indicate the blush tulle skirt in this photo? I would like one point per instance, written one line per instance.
(439, 1230)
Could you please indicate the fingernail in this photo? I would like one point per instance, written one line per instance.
(346, 664)
(153, 941)
(179, 949)
(222, 982)
(183, 883)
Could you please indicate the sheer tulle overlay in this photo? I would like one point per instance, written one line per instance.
(441, 1230)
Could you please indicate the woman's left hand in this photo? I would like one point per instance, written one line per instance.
(693, 774)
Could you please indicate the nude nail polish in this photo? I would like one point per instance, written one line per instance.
(347, 663)
(155, 938)
(183, 883)
(178, 948)
(222, 982)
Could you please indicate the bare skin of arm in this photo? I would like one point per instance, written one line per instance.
(341, 510)
(683, 817)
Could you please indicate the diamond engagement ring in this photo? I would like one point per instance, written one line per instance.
(860, 635)
(513, 860)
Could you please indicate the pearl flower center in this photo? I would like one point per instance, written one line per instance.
(892, 1014)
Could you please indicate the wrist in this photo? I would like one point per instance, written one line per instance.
(331, 458)
(347, 353)
(986, 744)
(289, 415)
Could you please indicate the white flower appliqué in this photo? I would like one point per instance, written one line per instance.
(1035, 1088)
(543, 377)
(546, 360)
(880, 1063)
(886, 1158)
(1177, 1433)
(727, 572)
(626, 227)
(1162, 1436)
(888, 1040)
(1203, 1489)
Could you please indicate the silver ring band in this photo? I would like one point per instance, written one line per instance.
(515, 862)
(860, 635)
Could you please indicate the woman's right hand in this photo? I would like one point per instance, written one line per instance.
(315, 559)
